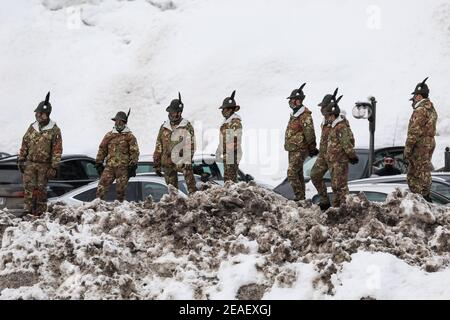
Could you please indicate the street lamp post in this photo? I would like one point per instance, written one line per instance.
(368, 110)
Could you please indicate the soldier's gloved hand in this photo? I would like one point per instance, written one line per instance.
(21, 165)
(132, 170)
(99, 167)
(158, 172)
(354, 160)
(51, 173)
(313, 152)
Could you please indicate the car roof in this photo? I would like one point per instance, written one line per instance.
(380, 179)
(64, 157)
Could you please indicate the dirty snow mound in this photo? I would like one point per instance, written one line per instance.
(239, 241)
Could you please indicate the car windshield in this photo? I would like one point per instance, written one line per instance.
(355, 171)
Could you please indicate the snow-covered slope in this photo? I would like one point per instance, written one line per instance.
(101, 56)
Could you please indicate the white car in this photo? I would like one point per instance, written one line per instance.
(379, 192)
(138, 189)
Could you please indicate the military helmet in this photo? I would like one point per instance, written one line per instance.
(422, 89)
(297, 93)
(328, 99)
(176, 105)
(44, 106)
(333, 107)
(229, 102)
(122, 116)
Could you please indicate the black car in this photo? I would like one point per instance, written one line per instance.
(355, 172)
(74, 171)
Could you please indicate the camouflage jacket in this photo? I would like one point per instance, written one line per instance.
(300, 134)
(341, 143)
(229, 149)
(326, 128)
(42, 145)
(118, 149)
(175, 144)
(421, 128)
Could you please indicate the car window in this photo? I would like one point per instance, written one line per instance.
(154, 189)
(355, 171)
(130, 192)
(87, 195)
(89, 169)
(437, 200)
(10, 175)
(70, 170)
(214, 170)
(145, 167)
(442, 188)
(375, 196)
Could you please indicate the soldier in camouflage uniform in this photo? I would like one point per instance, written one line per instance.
(300, 141)
(175, 147)
(120, 150)
(39, 158)
(229, 150)
(321, 166)
(340, 151)
(420, 143)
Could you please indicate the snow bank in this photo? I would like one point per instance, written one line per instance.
(233, 242)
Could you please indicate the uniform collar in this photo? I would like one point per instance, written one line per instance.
(233, 116)
(49, 126)
(417, 104)
(340, 118)
(125, 130)
(182, 124)
(299, 112)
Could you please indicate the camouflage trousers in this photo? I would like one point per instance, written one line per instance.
(120, 174)
(339, 177)
(230, 172)
(419, 176)
(171, 176)
(318, 171)
(35, 187)
(295, 174)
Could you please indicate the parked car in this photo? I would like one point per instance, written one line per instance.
(438, 183)
(379, 192)
(138, 189)
(356, 171)
(204, 165)
(74, 171)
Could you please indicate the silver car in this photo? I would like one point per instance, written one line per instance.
(138, 189)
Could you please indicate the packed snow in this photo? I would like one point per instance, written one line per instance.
(238, 241)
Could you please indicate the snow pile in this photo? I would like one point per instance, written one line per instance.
(233, 242)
